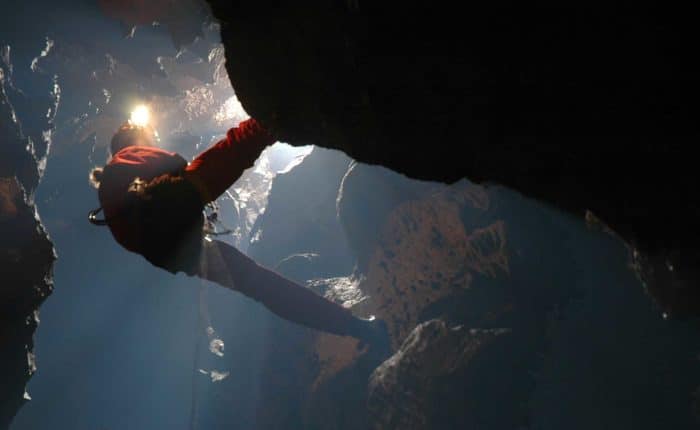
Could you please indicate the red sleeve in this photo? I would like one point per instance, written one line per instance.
(217, 168)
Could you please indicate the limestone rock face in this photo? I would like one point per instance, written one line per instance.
(26, 257)
(415, 388)
(26, 253)
(427, 253)
(502, 313)
(583, 110)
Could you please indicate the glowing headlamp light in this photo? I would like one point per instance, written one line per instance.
(140, 116)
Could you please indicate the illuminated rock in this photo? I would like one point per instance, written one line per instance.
(416, 388)
(26, 253)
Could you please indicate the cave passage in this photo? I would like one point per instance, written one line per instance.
(503, 312)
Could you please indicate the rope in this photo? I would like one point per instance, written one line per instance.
(204, 320)
(203, 313)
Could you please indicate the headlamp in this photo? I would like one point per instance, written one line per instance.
(140, 116)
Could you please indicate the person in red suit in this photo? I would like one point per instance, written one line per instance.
(153, 202)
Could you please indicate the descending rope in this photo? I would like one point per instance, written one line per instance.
(194, 402)
(204, 324)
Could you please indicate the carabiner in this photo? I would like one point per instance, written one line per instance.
(92, 217)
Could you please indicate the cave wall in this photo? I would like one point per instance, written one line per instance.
(573, 319)
(583, 106)
(503, 313)
(26, 253)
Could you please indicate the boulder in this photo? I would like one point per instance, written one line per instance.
(416, 388)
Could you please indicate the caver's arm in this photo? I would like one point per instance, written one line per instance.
(217, 168)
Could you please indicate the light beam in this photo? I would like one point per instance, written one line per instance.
(140, 116)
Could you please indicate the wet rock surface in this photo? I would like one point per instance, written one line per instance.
(583, 110)
(416, 387)
(539, 299)
(26, 253)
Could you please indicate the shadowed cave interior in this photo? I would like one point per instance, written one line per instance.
(520, 216)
